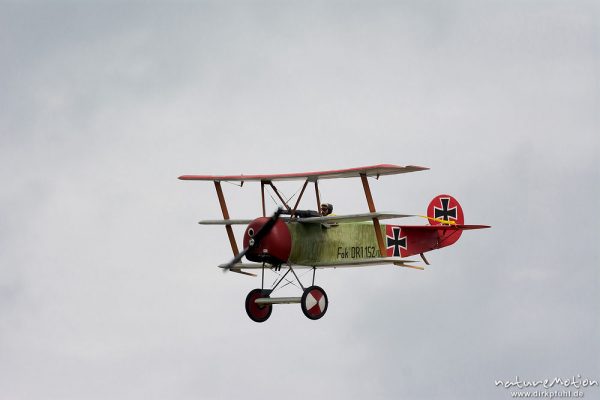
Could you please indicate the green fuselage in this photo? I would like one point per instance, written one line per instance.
(316, 243)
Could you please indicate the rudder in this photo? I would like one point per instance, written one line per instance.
(445, 209)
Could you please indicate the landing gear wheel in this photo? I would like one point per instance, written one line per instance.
(258, 312)
(314, 302)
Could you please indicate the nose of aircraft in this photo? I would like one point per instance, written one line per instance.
(274, 248)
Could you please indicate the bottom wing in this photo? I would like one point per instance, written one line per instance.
(364, 262)
(400, 262)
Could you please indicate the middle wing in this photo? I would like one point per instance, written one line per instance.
(352, 217)
(315, 220)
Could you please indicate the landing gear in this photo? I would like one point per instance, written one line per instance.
(258, 312)
(314, 302)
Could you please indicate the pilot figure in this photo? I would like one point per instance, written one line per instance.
(326, 209)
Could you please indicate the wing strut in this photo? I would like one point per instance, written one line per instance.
(317, 193)
(228, 228)
(262, 195)
(299, 197)
(279, 195)
(376, 226)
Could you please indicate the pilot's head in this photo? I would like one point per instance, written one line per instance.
(326, 209)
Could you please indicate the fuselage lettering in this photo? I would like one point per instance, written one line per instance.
(342, 252)
(356, 252)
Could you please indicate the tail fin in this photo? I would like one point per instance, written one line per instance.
(446, 210)
(446, 224)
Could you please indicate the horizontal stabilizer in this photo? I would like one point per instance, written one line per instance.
(445, 227)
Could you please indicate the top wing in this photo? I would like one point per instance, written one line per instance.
(373, 170)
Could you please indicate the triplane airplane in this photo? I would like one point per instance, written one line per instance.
(306, 239)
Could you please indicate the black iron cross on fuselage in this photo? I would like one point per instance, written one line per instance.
(396, 241)
(444, 212)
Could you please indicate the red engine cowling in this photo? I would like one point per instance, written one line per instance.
(274, 248)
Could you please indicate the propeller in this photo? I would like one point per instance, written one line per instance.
(254, 241)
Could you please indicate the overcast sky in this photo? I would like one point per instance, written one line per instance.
(108, 287)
